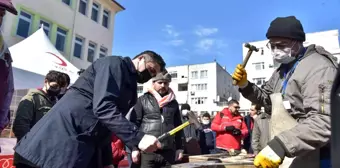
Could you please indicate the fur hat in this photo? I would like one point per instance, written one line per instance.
(162, 76)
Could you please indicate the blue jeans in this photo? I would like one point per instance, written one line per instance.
(325, 163)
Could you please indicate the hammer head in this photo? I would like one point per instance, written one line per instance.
(193, 120)
(251, 47)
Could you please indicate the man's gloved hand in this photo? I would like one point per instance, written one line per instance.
(229, 128)
(240, 75)
(271, 156)
(237, 132)
(149, 143)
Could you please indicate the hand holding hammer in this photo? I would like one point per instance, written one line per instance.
(192, 120)
(239, 75)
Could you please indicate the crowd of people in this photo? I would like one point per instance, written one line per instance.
(99, 120)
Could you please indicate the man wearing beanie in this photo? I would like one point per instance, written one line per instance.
(304, 78)
(155, 113)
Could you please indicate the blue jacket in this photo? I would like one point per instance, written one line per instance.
(207, 139)
(73, 132)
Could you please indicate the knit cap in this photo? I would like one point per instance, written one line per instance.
(288, 27)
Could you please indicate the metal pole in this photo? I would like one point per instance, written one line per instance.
(73, 27)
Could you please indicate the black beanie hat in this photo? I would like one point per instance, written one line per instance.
(185, 107)
(288, 27)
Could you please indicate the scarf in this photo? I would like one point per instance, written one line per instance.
(162, 101)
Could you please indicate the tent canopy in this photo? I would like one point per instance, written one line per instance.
(34, 57)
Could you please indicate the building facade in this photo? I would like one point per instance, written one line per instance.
(82, 30)
(206, 87)
(261, 64)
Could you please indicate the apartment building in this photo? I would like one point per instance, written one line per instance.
(261, 64)
(82, 30)
(206, 87)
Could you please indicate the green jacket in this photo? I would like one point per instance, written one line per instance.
(31, 109)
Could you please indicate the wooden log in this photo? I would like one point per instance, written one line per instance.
(212, 164)
(218, 160)
(209, 157)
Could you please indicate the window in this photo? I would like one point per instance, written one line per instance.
(259, 65)
(262, 51)
(173, 74)
(61, 39)
(204, 74)
(103, 52)
(47, 27)
(106, 16)
(198, 100)
(78, 47)
(95, 11)
(90, 52)
(182, 87)
(259, 81)
(194, 74)
(24, 24)
(67, 2)
(82, 6)
(139, 89)
(199, 87)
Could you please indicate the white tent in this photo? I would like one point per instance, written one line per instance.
(34, 57)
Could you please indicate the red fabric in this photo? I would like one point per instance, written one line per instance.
(251, 124)
(226, 140)
(118, 151)
(6, 161)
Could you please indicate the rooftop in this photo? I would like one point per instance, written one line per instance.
(118, 4)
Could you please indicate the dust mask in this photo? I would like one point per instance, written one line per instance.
(185, 112)
(283, 56)
(205, 122)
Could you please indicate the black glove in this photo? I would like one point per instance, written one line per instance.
(229, 128)
(237, 132)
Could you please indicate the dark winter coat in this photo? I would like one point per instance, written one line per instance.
(79, 127)
(153, 120)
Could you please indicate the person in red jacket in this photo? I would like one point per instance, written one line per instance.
(118, 152)
(230, 128)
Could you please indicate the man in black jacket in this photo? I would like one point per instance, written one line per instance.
(33, 106)
(249, 120)
(155, 113)
(75, 130)
(192, 135)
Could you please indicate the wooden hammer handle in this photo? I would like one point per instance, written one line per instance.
(244, 63)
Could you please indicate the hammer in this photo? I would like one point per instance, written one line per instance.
(192, 120)
(251, 48)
